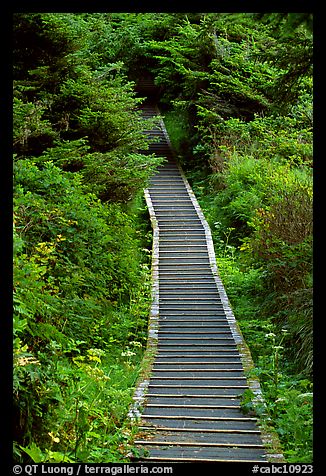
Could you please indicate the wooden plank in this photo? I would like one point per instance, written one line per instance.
(191, 410)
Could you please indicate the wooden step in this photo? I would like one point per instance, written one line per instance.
(191, 411)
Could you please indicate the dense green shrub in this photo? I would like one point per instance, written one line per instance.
(81, 277)
(249, 109)
(236, 90)
(76, 262)
(42, 43)
(274, 347)
(265, 211)
(283, 233)
(31, 131)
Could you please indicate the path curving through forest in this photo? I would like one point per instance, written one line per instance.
(189, 407)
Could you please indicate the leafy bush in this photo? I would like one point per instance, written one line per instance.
(60, 221)
(81, 277)
(281, 138)
(289, 403)
(81, 273)
(287, 394)
(283, 236)
(31, 131)
(70, 298)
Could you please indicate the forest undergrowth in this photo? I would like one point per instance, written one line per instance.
(82, 244)
(236, 95)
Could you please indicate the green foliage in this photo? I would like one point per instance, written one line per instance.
(71, 298)
(291, 53)
(60, 221)
(257, 197)
(236, 90)
(220, 72)
(88, 121)
(184, 58)
(100, 141)
(177, 125)
(47, 41)
(288, 402)
(274, 137)
(81, 271)
(265, 212)
(101, 109)
(30, 129)
(287, 394)
(283, 236)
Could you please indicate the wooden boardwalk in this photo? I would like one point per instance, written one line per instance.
(189, 407)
